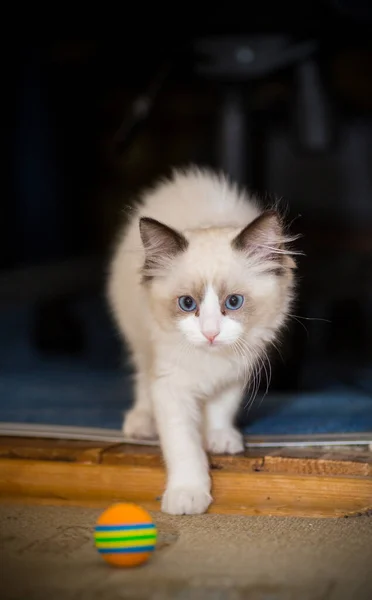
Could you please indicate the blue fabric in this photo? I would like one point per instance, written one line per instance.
(95, 390)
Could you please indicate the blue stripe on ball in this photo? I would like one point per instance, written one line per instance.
(125, 527)
(126, 550)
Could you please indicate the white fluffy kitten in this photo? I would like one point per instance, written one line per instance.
(200, 283)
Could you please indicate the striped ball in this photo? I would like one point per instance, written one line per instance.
(125, 535)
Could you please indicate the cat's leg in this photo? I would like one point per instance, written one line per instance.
(139, 422)
(221, 435)
(178, 417)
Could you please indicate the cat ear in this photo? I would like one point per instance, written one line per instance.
(262, 237)
(160, 242)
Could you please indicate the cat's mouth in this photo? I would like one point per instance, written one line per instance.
(214, 345)
(217, 345)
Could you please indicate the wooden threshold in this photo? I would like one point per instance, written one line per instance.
(307, 482)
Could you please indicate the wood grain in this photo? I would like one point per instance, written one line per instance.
(55, 450)
(353, 460)
(314, 482)
(234, 492)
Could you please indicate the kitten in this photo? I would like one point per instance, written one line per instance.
(201, 282)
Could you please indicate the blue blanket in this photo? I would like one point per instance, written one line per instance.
(95, 389)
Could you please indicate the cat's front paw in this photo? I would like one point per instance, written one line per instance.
(139, 424)
(186, 500)
(225, 441)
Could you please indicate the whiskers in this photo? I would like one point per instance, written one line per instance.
(253, 366)
(254, 363)
(181, 352)
(299, 320)
(241, 355)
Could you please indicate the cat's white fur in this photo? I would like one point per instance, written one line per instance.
(192, 368)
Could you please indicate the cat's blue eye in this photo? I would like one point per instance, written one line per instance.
(234, 302)
(187, 303)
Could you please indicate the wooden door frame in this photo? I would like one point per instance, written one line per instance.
(310, 481)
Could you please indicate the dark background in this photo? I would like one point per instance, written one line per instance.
(279, 95)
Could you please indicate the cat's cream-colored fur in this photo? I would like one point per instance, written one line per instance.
(196, 235)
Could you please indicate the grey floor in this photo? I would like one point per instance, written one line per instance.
(47, 552)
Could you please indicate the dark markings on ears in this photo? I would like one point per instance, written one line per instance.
(263, 237)
(160, 243)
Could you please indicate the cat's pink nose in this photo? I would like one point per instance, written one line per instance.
(211, 335)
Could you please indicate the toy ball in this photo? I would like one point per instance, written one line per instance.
(125, 535)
